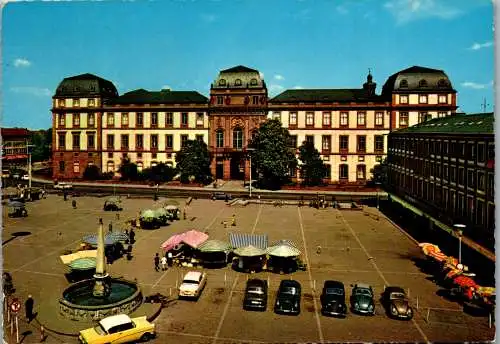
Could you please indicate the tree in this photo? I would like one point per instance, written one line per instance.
(92, 172)
(128, 169)
(313, 169)
(41, 141)
(379, 173)
(273, 157)
(160, 173)
(193, 162)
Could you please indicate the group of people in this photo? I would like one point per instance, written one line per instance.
(166, 261)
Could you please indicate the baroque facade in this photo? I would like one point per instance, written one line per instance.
(94, 125)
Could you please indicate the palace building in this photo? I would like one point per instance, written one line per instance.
(92, 124)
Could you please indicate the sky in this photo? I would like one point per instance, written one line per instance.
(183, 44)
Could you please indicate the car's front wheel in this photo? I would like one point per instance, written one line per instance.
(146, 337)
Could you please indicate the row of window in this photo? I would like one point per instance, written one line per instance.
(442, 83)
(238, 82)
(327, 118)
(423, 99)
(343, 172)
(91, 102)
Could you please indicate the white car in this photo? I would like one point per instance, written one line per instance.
(63, 185)
(192, 284)
(25, 177)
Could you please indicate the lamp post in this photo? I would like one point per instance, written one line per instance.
(250, 150)
(28, 147)
(459, 230)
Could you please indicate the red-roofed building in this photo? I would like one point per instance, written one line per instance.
(14, 146)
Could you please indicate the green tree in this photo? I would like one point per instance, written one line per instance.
(379, 173)
(160, 173)
(312, 167)
(41, 141)
(193, 162)
(273, 157)
(128, 169)
(92, 172)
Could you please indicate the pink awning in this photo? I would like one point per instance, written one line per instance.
(172, 242)
(194, 238)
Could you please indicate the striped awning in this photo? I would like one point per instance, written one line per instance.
(285, 242)
(243, 239)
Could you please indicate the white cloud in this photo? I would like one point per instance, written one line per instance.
(275, 88)
(31, 90)
(410, 10)
(20, 62)
(475, 85)
(342, 9)
(477, 46)
(298, 87)
(166, 87)
(279, 77)
(209, 18)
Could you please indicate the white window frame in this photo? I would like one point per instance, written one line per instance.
(292, 117)
(309, 118)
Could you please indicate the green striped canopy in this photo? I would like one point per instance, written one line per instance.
(83, 263)
(161, 212)
(148, 213)
(215, 246)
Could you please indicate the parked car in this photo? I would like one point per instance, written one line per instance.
(255, 295)
(396, 303)
(288, 299)
(25, 177)
(63, 185)
(192, 284)
(221, 196)
(362, 299)
(118, 329)
(333, 299)
(112, 205)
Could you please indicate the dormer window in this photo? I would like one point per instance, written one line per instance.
(442, 83)
(237, 82)
(253, 82)
(422, 83)
(222, 82)
(403, 83)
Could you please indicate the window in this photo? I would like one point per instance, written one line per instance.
(253, 82)
(124, 141)
(361, 172)
(76, 119)
(199, 138)
(277, 115)
(344, 143)
(403, 99)
(310, 139)
(442, 99)
(309, 118)
(62, 102)
(111, 166)
(344, 118)
(293, 141)
(76, 167)
(139, 141)
(491, 184)
(61, 140)
(403, 83)
(237, 138)
(61, 166)
(184, 119)
(184, 139)
(169, 141)
(220, 100)
(125, 119)
(379, 118)
(169, 120)
(461, 176)
(62, 120)
(199, 119)
(361, 144)
(154, 119)
(91, 120)
(90, 141)
(481, 181)
(110, 141)
(91, 102)
(422, 99)
(453, 174)
(327, 119)
(219, 138)
(292, 118)
(379, 143)
(326, 142)
(442, 83)
(343, 171)
(422, 83)
(222, 82)
(361, 118)
(328, 171)
(76, 141)
(491, 151)
(255, 100)
(422, 117)
(470, 178)
(403, 119)
(480, 212)
(110, 119)
(154, 141)
(481, 152)
(140, 120)
(442, 114)
(237, 82)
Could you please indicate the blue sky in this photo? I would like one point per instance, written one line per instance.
(182, 44)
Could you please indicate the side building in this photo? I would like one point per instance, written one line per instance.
(445, 167)
(15, 147)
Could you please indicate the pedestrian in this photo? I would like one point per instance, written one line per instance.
(65, 194)
(157, 262)
(110, 227)
(73, 203)
(132, 236)
(126, 233)
(164, 263)
(28, 305)
(117, 216)
(42, 334)
(170, 258)
(233, 220)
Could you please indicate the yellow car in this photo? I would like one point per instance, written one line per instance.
(118, 329)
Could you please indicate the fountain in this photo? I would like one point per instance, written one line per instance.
(102, 296)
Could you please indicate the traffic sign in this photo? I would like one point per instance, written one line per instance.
(15, 306)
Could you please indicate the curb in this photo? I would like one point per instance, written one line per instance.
(55, 331)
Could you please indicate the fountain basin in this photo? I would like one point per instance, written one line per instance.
(79, 303)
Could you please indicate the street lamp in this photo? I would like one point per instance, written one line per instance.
(28, 147)
(250, 150)
(459, 230)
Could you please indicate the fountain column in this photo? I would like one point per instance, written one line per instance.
(101, 288)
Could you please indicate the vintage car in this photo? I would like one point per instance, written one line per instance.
(255, 295)
(221, 196)
(63, 186)
(396, 303)
(192, 285)
(333, 299)
(362, 299)
(288, 299)
(17, 209)
(112, 204)
(119, 329)
(173, 211)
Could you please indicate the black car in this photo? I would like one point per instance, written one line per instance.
(221, 196)
(255, 295)
(333, 299)
(396, 303)
(362, 299)
(288, 299)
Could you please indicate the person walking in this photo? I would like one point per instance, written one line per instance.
(132, 236)
(157, 262)
(28, 305)
(110, 227)
(164, 263)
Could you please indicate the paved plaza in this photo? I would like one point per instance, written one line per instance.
(356, 246)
